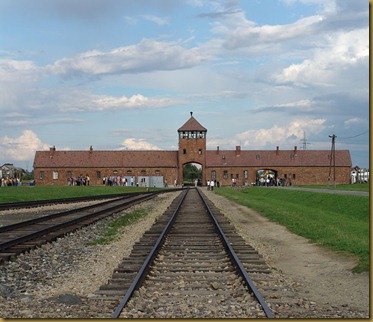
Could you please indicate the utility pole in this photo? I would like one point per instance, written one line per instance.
(332, 158)
(304, 140)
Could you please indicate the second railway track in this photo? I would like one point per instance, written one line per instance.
(25, 235)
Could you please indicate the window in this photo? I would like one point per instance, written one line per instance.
(157, 172)
(292, 156)
(98, 174)
(192, 135)
(41, 175)
(55, 175)
(293, 175)
(143, 172)
(201, 135)
(213, 175)
(69, 174)
(225, 174)
(129, 172)
(257, 157)
(245, 174)
(199, 151)
(184, 151)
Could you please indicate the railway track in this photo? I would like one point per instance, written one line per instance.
(38, 203)
(192, 257)
(23, 236)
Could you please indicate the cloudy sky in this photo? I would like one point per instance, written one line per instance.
(125, 74)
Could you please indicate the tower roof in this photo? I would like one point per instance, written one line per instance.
(192, 125)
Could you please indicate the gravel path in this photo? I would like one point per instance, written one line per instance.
(58, 280)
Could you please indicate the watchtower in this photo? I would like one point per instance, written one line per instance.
(192, 145)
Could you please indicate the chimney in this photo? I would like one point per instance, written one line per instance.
(238, 150)
(295, 149)
(51, 151)
(277, 150)
(217, 150)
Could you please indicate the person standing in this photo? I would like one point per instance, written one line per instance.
(212, 184)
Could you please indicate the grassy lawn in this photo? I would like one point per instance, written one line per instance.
(23, 193)
(351, 187)
(338, 222)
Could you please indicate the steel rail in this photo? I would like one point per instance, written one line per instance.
(239, 266)
(29, 222)
(148, 261)
(39, 233)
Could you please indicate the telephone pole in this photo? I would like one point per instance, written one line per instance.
(305, 141)
(332, 158)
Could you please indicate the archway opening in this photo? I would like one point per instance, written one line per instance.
(266, 177)
(192, 174)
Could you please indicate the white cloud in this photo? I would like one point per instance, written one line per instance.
(136, 101)
(354, 121)
(86, 101)
(138, 144)
(22, 148)
(17, 79)
(157, 20)
(146, 56)
(281, 135)
(342, 53)
(256, 35)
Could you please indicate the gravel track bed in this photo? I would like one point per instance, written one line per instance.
(12, 216)
(58, 279)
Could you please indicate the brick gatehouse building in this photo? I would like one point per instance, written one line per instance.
(156, 168)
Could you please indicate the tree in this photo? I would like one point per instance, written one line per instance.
(191, 172)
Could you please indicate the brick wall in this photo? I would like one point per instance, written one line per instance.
(298, 175)
(169, 174)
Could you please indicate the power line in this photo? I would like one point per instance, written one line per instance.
(355, 136)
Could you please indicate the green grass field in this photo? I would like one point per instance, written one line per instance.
(351, 187)
(23, 193)
(338, 222)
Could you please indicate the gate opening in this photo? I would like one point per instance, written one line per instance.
(192, 174)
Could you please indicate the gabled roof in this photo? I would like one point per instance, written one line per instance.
(105, 159)
(192, 125)
(273, 158)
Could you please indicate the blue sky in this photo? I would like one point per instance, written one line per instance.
(124, 74)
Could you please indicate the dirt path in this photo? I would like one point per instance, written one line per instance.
(326, 276)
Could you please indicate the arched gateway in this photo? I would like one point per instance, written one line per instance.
(161, 168)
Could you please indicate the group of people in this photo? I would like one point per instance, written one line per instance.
(211, 184)
(79, 181)
(272, 181)
(117, 181)
(10, 182)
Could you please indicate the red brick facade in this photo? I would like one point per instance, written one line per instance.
(297, 166)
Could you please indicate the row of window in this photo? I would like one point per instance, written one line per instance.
(192, 135)
(225, 175)
(55, 174)
(199, 151)
(245, 175)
